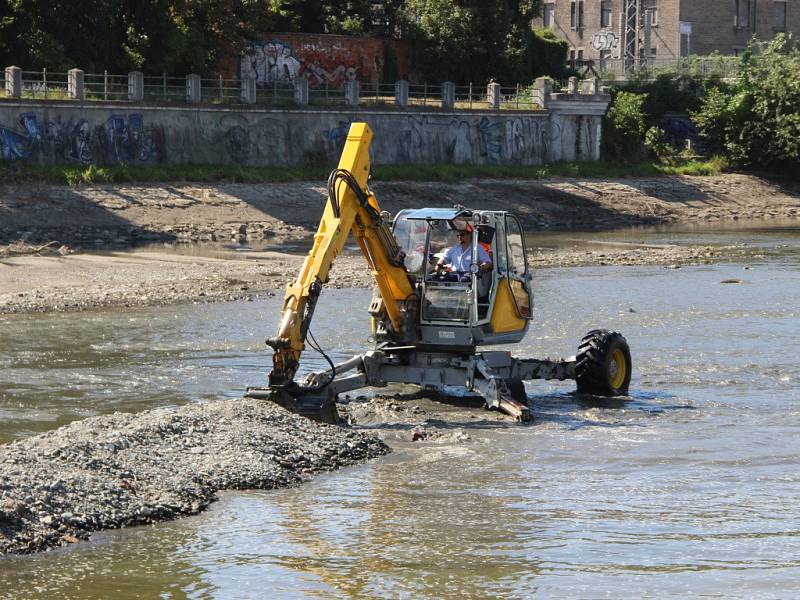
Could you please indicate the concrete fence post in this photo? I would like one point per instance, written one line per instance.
(590, 86)
(248, 91)
(302, 95)
(75, 87)
(449, 95)
(135, 86)
(193, 89)
(572, 85)
(542, 88)
(401, 93)
(493, 95)
(351, 93)
(13, 82)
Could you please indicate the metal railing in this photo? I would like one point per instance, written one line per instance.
(105, 87)
(163, 88)
(326, 95)
(471, 97)
(518, 98)
(377, 94)
(704, 67)
(425, 95)
(44, 85)
(219, 90)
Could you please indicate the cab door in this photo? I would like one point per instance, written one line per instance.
(518, 274)
(513, 303)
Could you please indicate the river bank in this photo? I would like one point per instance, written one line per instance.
(69, 248)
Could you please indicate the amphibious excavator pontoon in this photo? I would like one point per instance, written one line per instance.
(430, 321)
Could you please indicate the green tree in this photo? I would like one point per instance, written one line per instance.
(549, 54)
(117, 35)
(624, 127)
(446, 39)
(473, 40)
(755, 120)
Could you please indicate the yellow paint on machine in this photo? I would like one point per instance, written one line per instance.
(505, 317)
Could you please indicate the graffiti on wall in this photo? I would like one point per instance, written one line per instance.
(277, 62)
(480, 140)
(605, 40)
(121, 139)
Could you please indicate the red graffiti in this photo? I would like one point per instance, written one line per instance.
(321, 59)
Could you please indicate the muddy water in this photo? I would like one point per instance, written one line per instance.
(691, 487)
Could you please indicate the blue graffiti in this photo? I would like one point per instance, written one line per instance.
(490, 136)
(128, 139)
(337, 134)
(121, 139)
(30, 123)
(13, 145)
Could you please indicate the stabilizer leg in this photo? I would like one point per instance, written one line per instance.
(499, 394)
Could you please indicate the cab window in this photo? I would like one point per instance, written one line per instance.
(516, 249)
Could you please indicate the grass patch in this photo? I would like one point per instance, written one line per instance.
(18, 172)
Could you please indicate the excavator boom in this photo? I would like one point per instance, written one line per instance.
(350, 208)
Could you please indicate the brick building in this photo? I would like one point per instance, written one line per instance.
(621, 34)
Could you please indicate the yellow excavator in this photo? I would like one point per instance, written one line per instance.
(448, 281)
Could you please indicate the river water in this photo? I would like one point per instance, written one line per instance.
(689, 488)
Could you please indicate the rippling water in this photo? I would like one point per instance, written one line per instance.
(690, 488)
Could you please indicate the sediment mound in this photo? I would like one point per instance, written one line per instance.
(128, 469)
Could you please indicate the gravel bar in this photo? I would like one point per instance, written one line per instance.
(121, 470)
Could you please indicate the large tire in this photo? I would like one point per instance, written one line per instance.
(603, 364)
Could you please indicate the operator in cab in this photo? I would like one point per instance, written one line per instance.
(458, 259)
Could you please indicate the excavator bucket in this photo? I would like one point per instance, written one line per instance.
(320, 408)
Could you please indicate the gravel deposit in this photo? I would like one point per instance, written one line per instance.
(120, 470)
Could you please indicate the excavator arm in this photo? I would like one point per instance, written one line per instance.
(351, 208)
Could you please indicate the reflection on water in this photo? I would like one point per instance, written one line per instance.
(689, 488)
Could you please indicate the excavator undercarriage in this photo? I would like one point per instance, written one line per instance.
(495, 375)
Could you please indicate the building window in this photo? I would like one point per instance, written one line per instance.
(741, 20)
(605, 14)
(779, 23)
(576, 14)
(549, 14)
(651, 7)
(605, 55)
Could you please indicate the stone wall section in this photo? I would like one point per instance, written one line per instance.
(103, 134)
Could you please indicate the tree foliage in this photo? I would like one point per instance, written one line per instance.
(755, 119)
(624, 127)
(459, 40)
(160, 35)
(477, 40)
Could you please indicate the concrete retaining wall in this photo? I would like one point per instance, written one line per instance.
(105, 134)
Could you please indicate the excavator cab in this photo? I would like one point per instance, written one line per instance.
(463, 305)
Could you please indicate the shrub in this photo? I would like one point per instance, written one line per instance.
(755, 120)
(624, 127)
(657, 143)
